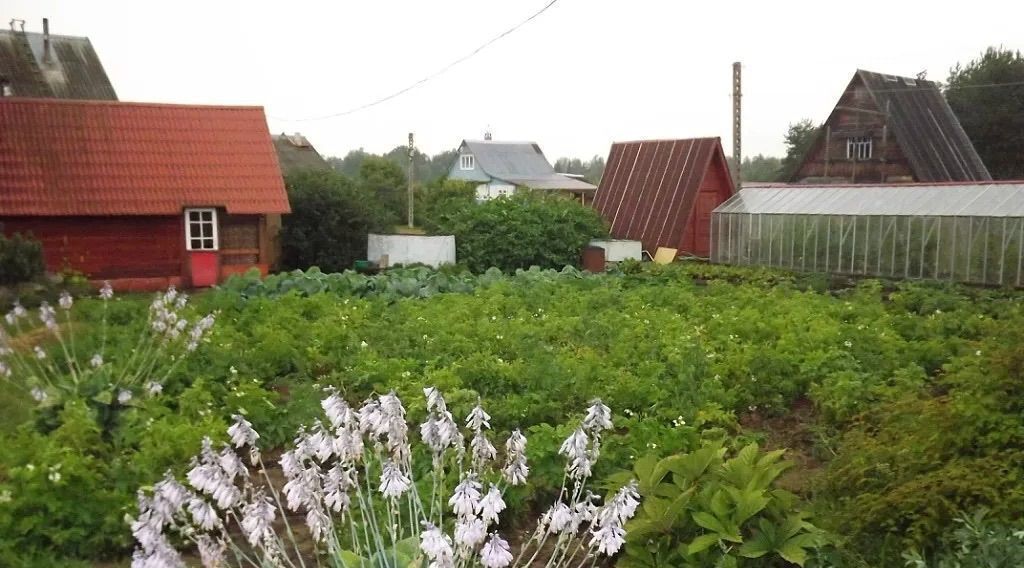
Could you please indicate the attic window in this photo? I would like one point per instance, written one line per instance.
(858, 148)
(467, 162)
(910, 82)
(201, 229)
(891, 78)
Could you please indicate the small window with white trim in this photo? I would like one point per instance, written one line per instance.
(201, 229)
(858, 148)
(467, 162)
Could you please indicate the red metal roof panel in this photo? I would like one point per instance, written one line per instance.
(63, 157)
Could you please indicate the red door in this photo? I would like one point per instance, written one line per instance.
(203, 265)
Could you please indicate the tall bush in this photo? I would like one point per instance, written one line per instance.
(329, 221)
(21, 259)
(526, 229)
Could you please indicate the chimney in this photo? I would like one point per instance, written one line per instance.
(46, 39)
(487, 134)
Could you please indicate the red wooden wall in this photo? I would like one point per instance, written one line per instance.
(714, 190)
(107, 247)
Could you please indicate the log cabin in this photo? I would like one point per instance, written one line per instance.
(889, 129)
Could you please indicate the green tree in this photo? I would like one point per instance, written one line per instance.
(442, 199)
(798, 141)
(384, 181)
(987, 96)
(329, 221)
(524, 230)
(350, 164)
(760, 168)
(591, 170)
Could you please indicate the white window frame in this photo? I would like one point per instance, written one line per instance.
(191, 224)
(467, 162)
(859, 148)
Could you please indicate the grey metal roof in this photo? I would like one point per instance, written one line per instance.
(927, 130)
(968, 200)
(71, 69)
(521, 163)
(295, 152)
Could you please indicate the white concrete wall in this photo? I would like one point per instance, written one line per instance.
(617, 250)
(408, 249)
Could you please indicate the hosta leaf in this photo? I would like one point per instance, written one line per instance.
(701, 543)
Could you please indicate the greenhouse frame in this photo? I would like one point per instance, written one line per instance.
(962, 232)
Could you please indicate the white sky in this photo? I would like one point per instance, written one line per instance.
(583, 74)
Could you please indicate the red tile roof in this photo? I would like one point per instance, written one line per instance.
(649, 187)
(63, 157)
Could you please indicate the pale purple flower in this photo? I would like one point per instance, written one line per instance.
(516, 470)
(257, 517)
(558, 518)
(437, 546)
(65, 301)
(495, 553)
(608, 539)
(318, 522)
(241, 432)
(575, 450)
(393, 483)
(204, 515)
(467, 493)
(482, 450)
(478, 419)
(107, 291)
(303, 489)
(211, 551)
(337, 482)
(470, 532)
(40, 354)
(598, 418)
(491, 505)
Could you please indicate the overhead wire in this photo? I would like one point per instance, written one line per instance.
(427, 78)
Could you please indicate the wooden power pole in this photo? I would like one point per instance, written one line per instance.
(411, 200)
(737, 137)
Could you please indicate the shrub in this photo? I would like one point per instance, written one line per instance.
(527, 229)
(329, 221)
(976, 543)
(21, 259)
(441, 200)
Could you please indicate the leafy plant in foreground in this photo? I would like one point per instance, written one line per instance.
(702, 509)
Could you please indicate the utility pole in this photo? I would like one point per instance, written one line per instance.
(737, 138)
(411, 200)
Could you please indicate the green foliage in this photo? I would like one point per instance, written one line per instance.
(987, 96)
(524, 230)
(703, 509)
(21, 259)
(592, 170)
(441, 200)
(329, 221)
(760, 168)
(384, 182)
(799, 138)
(977, 542)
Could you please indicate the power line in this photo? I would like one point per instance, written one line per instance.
(428, 77)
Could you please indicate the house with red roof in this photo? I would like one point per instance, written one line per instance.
(144, 195)
(662, 192)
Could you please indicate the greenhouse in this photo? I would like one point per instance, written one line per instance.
(961, 232)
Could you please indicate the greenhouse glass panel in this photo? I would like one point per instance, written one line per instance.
(971, 233)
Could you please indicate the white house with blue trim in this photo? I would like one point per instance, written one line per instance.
(501, 168)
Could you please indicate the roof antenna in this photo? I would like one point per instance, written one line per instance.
(22, 22)
(487, 133)
(923, 75)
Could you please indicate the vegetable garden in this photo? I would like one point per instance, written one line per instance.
(767, 419)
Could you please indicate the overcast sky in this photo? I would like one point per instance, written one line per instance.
(583, 74)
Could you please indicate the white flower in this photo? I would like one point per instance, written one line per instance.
(257, 517)
(5, 369)
(203, 514)
(54, 476)
(107, 291)
(608, 539)
(478, 419)
(495, 554)
(124, 396)
(470, 532)
(516, 470)
(437, 546)
(39, 395)
(467, 493)
(393, 483)
(96, 361)
(66, 301)
(363, 344)
(491, 505)
(154, 388)
(48, 316)
(435, 401)
(241, 432)
(575, 449)
(599, 417)
(211, 552)
(40, 354)
(5, 496)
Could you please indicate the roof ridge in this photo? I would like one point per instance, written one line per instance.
(719, 138)
(88, 102)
